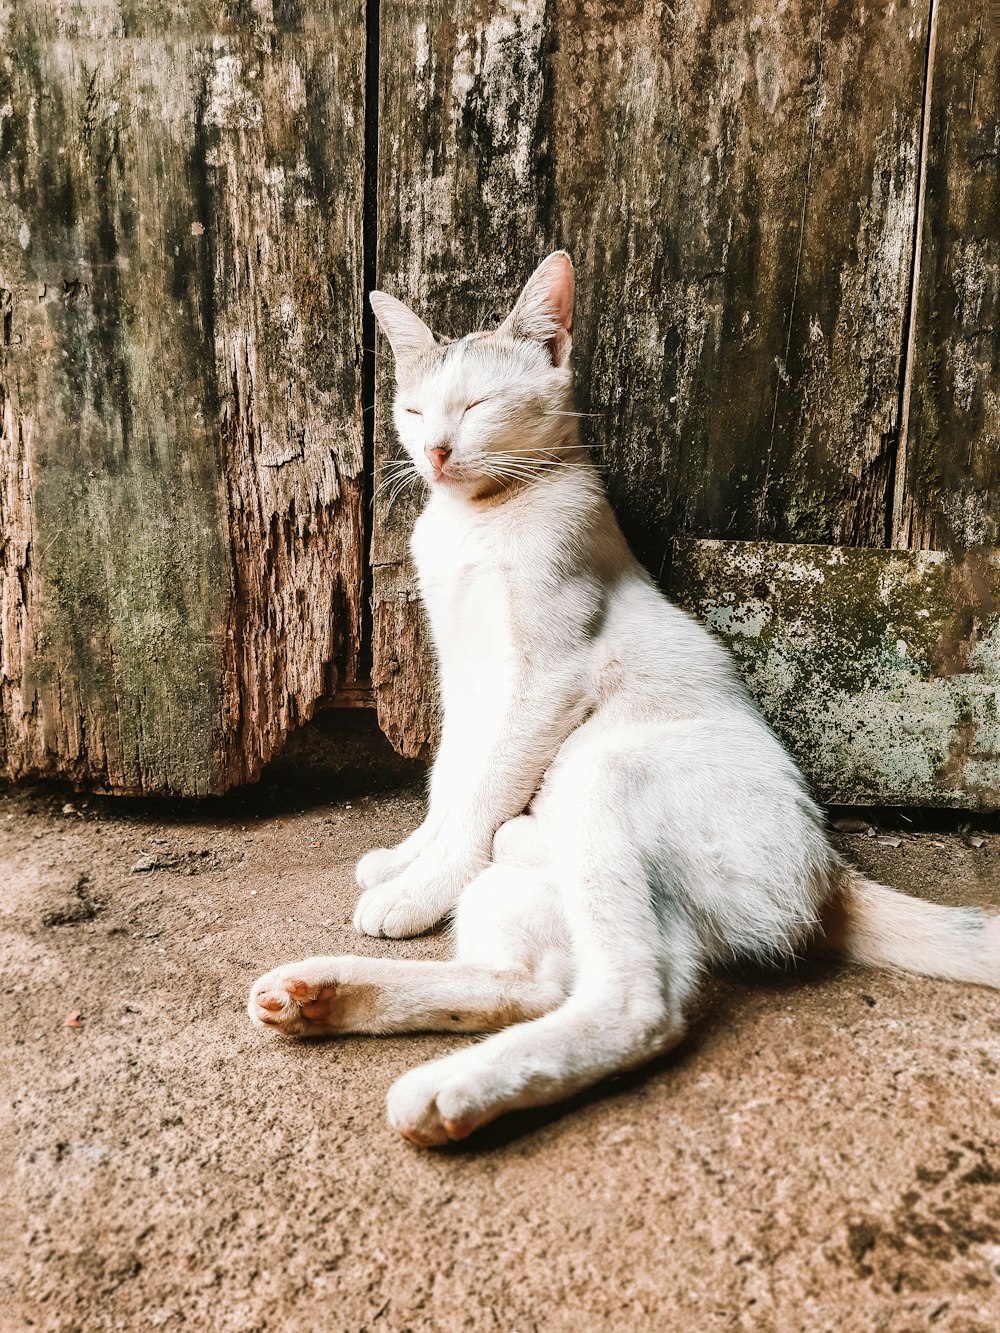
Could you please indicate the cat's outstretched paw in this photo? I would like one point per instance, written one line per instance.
(439, 1103)
(297, 1000)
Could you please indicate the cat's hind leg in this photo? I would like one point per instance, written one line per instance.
(636, 958)
(511, 965)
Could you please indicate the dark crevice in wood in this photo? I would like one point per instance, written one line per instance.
(897, 472)
(370, 278)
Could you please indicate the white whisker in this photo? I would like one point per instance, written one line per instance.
(395, 496)
(399, 475)
(555, 412)
(387, 482)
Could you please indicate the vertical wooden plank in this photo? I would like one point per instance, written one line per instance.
(738, 191)
(284, 152)
(948, 482)
(462, 184)
(180, 457)
(756, 186)
(116, 573)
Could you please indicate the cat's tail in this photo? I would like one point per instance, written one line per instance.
(868, 923)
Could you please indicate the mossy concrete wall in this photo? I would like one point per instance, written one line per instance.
(880, 670)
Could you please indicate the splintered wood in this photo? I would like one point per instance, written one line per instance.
(181, 458)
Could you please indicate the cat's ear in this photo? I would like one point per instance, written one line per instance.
(544, 310)
(408, 335)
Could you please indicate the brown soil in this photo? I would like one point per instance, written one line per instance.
(822, 1154)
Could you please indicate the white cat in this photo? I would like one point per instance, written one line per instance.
(609, 814)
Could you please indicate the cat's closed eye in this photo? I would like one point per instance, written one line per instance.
(415, 411)
(478, 403)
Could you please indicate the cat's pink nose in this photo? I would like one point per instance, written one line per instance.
(438, 456)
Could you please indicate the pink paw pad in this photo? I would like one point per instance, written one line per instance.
(314, 1001)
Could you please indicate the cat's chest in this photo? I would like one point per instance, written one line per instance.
(466, 582)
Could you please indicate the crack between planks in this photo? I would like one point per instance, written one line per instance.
(895, 534)
(783, 367)
(369, 233)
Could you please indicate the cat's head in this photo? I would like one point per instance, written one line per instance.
(493, 409)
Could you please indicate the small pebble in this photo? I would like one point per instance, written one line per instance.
(144, 864)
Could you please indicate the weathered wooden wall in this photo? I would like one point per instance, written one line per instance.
(181, 526)
(784, 222)
(739, 191)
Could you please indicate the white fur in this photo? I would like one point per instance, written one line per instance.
(608, 812)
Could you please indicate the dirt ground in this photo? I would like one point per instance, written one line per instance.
(822, 1154)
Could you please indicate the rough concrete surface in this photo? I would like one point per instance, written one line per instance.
(822, 1154)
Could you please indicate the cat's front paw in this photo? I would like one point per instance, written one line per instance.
(297, 1000)
(418, 897)
(440, 1102)
(397, 912)
(376, 867)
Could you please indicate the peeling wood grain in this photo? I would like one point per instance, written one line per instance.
(406, 702)
(743, 218)
(880, 670)
(737, 189)
(180, 458)
(288, 283)
(949, 476)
